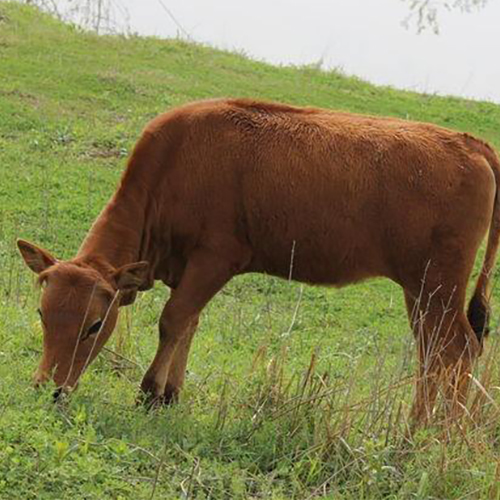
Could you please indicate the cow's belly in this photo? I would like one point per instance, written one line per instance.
(330, 258)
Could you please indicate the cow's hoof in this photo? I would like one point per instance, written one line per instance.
(148, 395)
(150, 399)
(171, 395)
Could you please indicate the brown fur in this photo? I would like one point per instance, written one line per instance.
(224, 187)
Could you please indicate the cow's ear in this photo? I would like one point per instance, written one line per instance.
(131, 276)
(37, 259)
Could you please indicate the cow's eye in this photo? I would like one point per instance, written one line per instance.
(93, 329)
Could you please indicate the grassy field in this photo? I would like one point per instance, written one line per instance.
(292, 392)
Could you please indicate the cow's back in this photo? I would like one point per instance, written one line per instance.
(330, 197)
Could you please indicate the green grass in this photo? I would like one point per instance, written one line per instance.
(272, 408)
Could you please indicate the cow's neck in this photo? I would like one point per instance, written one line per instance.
(117, 235)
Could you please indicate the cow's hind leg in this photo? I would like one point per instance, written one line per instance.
(447, 347)
(205, 274)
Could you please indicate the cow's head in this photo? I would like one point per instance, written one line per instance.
(78, 311)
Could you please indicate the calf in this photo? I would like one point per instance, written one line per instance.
(219, 188)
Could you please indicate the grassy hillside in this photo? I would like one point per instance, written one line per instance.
(292, 392)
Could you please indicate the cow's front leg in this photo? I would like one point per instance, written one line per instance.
(177, 371)
(206, 273)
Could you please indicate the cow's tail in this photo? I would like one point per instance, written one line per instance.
(479, 310)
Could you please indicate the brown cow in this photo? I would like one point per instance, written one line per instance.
(219, 188)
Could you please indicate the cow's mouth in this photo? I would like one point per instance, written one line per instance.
(56, 396)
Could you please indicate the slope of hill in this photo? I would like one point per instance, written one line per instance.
(85, 98)
(293, 392)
